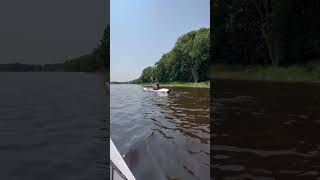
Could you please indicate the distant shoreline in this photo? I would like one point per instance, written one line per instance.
(173, 84)
(266, 73)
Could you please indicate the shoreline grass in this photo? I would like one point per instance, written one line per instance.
(205, 84)
(267, 73)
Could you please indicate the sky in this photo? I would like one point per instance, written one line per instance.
(50, 31)
(141, 31)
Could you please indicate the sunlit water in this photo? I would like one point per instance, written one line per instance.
(265, 130)
(162, 136)
(52, 126)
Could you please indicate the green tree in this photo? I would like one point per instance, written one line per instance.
(188, 61)
(147, 75)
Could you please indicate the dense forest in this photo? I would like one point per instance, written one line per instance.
(186, 62)
(97, 60)
(266, 32)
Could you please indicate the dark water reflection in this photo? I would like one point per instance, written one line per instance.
(52, 126)
(265, 130)
(162, 137)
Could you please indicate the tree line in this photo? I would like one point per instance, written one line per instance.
(97, 60)
(186, 62)
(266, 32)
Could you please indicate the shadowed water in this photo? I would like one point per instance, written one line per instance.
(266, 130)
(162, 136)
(52, 126)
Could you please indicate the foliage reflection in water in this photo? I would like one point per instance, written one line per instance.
(265, 130)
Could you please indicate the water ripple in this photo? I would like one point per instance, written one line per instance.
(178, 124)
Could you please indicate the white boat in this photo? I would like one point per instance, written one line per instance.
(162, 90)
(118, 167)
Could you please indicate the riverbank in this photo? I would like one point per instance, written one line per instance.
(182, 84)
(267, 73)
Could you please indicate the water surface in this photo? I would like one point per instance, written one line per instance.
(52, 126)
(162, 137)
(265, 130)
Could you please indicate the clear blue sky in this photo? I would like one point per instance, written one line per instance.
(141, 31)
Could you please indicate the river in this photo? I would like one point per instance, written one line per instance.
(53, 126)
(265, 130)
(162, 136)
